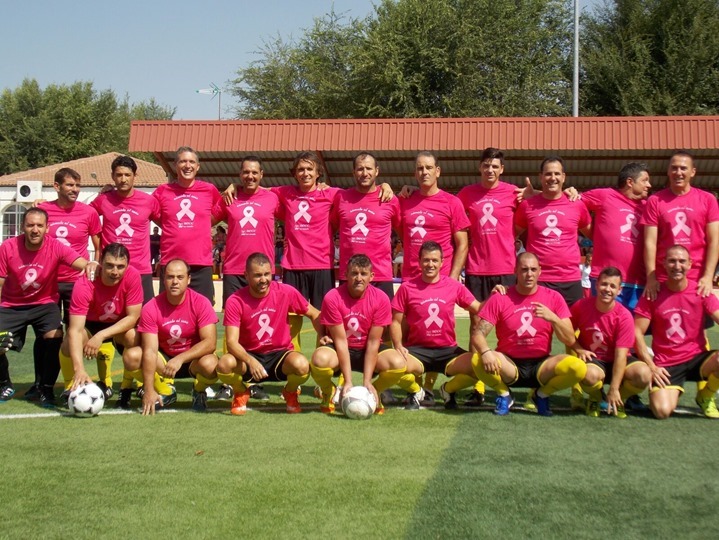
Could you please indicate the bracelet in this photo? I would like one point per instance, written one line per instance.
(484, 352)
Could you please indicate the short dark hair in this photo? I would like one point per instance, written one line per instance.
(551, 159)
(312, 158)
(63, 173)
(427, 153)
(630, 170)
(363, 155)
(610, 271)
(183, 261)
(116, 250)
(430, 245)
(492, 153)
(256, 258)
(682, 153)
(34, 210)
(124, 161)
(252, 159)
(360, 260)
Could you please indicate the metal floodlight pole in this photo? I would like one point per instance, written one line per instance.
(213, 91)
(575, 82)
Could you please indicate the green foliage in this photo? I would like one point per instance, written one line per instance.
(651, 57)
(41, 127)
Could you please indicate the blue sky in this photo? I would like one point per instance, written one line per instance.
(151, 48)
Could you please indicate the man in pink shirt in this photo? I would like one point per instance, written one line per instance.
(126, 214)
(679, 345)
(606, 333)
(29, 265)
(552, 223)
(259, 347)
(186, 220)
(102, 312)
(423, 325)
(525, 318)
(681, 215)
(178, 336)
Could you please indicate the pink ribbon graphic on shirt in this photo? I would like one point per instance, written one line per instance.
(629, 226)
(30, 277)
(488, 215)
(249, 213)
(681, 224)
(433, 311)
(552, 222)
(302, 212)
(61, 235)
(109, 309)
(125, 220)
(360, 220)
(676, 326)
(265, 328)
(419, 227)
(185, 205)
(597, 340)
(527, 327)
(176, 335)
(353, 328)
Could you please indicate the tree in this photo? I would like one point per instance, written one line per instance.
(651, 57)
(64, 122)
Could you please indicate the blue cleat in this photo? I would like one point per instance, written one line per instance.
(504, 404)
(542, 404)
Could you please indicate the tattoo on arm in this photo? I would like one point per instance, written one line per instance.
(483, 326)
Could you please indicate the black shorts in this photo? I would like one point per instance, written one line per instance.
(386, 287)
(608, 367)
(95, 326)
(690, 370)
(571, 291)
(481, 286)
(184, 371)
(230, 284)
(312, 284)
(200, 282)
(148, 290)
(272, 362)
(527, 372)
(357, 357)
(42, 317)
(435, 360)
(65, 290)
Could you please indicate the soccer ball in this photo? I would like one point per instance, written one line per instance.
(358, 403)
(86, 401)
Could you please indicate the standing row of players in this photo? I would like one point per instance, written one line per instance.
(365, 223)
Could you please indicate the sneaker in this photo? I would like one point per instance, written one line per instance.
(576, 400)
(503, 405)
(293, 404)
(140, 392)
(475, 399)
(123, 402)
(592, 409)
(169, 399)
(258, 392)
(32, 393)
(450, 401)
(225, 393)
(6, 392)
(106, 390)
(388, 397)
(239, 403)
(428, 399)
(65, 397)
(415, 400)
(708, 407)
(328, 404)
(47, 398)
(542, 404)
(199, 401)
(634, 403)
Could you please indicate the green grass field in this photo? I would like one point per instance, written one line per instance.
(407, 474)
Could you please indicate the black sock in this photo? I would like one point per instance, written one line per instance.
(50, 361)
(4, 371)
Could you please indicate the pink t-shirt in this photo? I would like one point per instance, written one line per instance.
(552, 234)
(600, 332)
(357, 315)
(365, 226)
(72, 227)
(177, 327)
(31, 276)
(250, 228)
(618, 234)
(436, 218)
(681, 219)
(186, 221)
(308, 233)
(429, 310)
(491, 233)
(677, 323)
(520, 334)
(100, 303)
(126, 221)
(263, 321)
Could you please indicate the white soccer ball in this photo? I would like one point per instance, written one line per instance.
(86, 401)
(358, 403)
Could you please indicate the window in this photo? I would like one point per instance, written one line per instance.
(12, 220)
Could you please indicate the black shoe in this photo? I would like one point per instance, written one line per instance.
(47, 398)
(123, 402)
(6, 392)
(414, 401)
(64, 397)
(106, 390)
(32, 393)
(475, 399)
(257, 392)
(450, 400)
(225, 393)
(140, 392)
(428, 399)
(388, 398)
(634, 403)
(199, 401)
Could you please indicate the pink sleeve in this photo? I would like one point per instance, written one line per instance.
(330, 316)
(233, 311)
(95, 203)
(335, 215)
(135, 294)
(643, 309)
(561, 309)
(399, 299)
(396, 215)
(383, 313)
(520, 216)
(592, 199)
(94, 225)
(460, 221)
(148, 319)
(625, 334)
(156, 211)
(584, 217)
(713, 210)
(297, 303)
(650, 216)
(464, 296)
(711, 304)
(490, 309)
(4, 258)
(81, 297)
(219, 211)
(67, 254)
(205, 312)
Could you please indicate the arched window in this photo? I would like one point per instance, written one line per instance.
(12, 220)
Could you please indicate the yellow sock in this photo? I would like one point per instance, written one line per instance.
(627, 390)
(127, 378)
(709, 388)
(202, 382)
(493, 380)
(460, 381)
(68, 372)
(234, 380)
(104, 362)
(429, 380)
(479, 387)
(388, 378)
(341, 380)
(136, 374)
(569, 371)
(594, 390)
(419, 379)
(323, 377)
(162, 385)
(408, 383)
(295, 329)
(295, 381)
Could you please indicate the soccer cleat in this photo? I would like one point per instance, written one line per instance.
(47, 398)
(542, 404)
(634, 403)
(415, 400)
(32, 393)
(64, 397)
(140, 392)
(106, 390)
(168, 399)
(328, 404)
(529, 404)
(257, 392)
(708, 407)
(293, 404)
(199, 401)
(428, 399)
(239, 403)
(503, 404)
(5, 341)
(6, 392)
(576, 400)
(475, 399)
(388, 397)
(379, 410)
(621, 413)
(225, 393)
(450, 401)
(592, 409)
(123, 402)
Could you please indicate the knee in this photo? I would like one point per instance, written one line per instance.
(394, 361)
(132, 358)
(53, 334)
(643, 377)
(207, 364)
(300, 365)
(227, 364)
(571, 365)
(661, 411)
(322, 357)
(592, 377)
